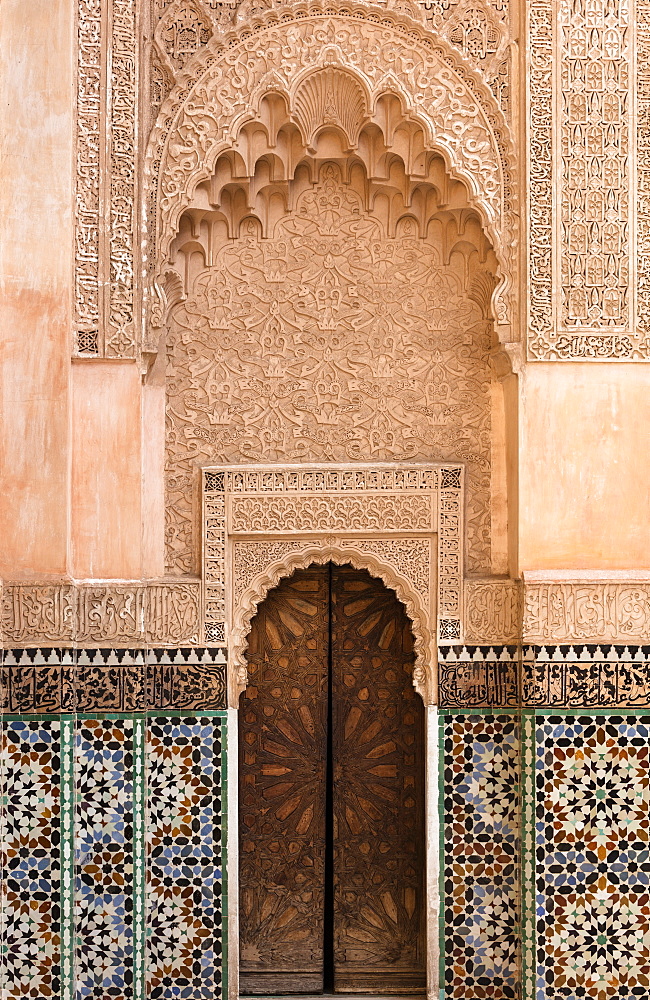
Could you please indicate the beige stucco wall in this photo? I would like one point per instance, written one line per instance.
(36, 102)
(585, 466)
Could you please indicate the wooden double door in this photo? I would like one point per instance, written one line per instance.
(331, 793)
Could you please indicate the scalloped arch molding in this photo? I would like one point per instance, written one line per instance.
(384, 51)
(424, 673)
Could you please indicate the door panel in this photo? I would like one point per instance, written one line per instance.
(282, 762)
(378, 794)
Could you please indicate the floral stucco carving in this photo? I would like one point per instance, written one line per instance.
(331, 340)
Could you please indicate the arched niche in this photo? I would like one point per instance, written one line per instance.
(357, 67)
(305, 122)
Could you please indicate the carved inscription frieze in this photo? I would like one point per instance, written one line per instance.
(549, 676)
(586, 676)
(107, 53)
(588, 612)
(160, 614)
(46, 679)
(493, 611)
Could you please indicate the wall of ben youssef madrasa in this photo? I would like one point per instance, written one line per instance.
(306, 282)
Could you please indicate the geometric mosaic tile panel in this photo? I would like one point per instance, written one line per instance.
(592, 856)
(107, 963)
(186, 858)
(74, 814)
(31, 859)
(480, 776)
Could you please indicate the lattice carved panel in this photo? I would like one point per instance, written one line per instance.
(588, 181)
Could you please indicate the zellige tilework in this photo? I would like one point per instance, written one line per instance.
(184, 923)
(30, 915)
(592, 776)
(104, 859)
(480, 863)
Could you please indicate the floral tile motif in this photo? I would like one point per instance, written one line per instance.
(104, 861)
(593, 857)
(480, 864)
(184, 859)
(30, 916)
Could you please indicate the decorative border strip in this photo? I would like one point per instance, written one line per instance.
(341, 501)
(129, 615)
(224, 858)
(540, 177)
(528, 834)
(107, 82)
(47, 681)
(68, 803)
(585, 677)
(479, 676)
(551, 125)
(87, 201)
(575, 677)
(139, 858)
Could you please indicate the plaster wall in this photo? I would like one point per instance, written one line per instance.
(36, 102)
(584, 470)
(106, 472)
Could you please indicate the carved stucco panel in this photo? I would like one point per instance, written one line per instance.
(203, 115)
(559, 612)
(588, 181)
(328, 342)
(160, 614)
(106, 166)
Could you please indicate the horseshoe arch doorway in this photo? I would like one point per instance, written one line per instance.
(331, 792)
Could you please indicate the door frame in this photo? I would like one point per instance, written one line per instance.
(402, 523)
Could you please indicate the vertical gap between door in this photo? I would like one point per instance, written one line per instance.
(328, 921)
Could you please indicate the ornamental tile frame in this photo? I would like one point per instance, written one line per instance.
(402, 522)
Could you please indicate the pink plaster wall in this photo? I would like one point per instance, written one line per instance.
(106, 470)
(585, 467)
(36, 105)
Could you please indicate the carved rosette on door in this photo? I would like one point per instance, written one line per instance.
(331, 791)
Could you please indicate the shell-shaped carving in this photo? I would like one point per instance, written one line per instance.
(330, 96)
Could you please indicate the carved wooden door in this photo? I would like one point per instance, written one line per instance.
(331, 792)
(282, 774)
(378, 791)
